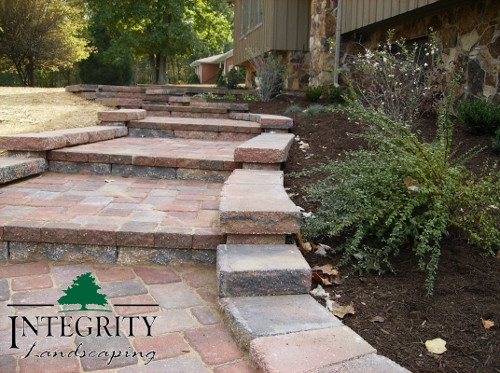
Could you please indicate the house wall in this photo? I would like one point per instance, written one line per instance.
(284, 27)
(209, 73)
(468, 34)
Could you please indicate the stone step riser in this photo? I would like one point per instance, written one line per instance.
(111, 254)
(130, 170)
(261, 270)
(190, 134)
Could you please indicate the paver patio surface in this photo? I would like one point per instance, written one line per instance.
(186, 335)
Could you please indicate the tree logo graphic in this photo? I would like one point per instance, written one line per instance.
(83, 291)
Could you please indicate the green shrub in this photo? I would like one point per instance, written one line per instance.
(313, 94)
(496, 141)
(293, 109)
(479, 116)
(402, 194)
(333, 95)
(193, 79)
(233, 78)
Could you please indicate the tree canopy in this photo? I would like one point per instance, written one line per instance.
(83, 291)
(163, 29)
(40, 34)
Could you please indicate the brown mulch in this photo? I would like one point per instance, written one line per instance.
(393, 312)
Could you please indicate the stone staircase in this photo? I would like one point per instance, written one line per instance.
(170, 178)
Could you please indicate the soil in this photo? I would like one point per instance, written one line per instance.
(392, 312)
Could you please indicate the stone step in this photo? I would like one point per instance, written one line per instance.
(254, 202)
(92, 218)
(333, 350)
(162, 158)
(259, 270)
(44, 141)
(253, 317)
(200, 128)
(14, 168)
(266, 151)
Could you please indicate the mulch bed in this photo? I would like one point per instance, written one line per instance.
(393, 312)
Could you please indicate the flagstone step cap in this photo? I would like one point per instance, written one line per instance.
(255, 202)
(266, 121)
(50, 140)
(310, 351)
(253, 317)
(121, 115)
(333, 350)
(259, 270)
(265, 148)
(17, 168)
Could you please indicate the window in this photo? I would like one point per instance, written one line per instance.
(250, 15)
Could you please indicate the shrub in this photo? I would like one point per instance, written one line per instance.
(401, 80)
(193, 79)
(402, 194)
(293, 109)
(313, 94)
(333, 94)
(314, 110)
(270, 74)
(479, 116)
(233, 78)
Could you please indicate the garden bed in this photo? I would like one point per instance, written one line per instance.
(393, 312)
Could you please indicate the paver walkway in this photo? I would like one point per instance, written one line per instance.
(187, 335)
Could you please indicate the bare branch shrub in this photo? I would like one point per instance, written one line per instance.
(269, 74)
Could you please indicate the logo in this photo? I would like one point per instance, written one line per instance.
(84, 291)
(89, 326)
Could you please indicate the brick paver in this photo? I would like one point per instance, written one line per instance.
(187, 335)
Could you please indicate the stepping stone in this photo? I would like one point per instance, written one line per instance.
(252, 317)
(255, 202)
(17, 168)
(258, 270)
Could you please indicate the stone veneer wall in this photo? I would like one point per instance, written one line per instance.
(469, 37)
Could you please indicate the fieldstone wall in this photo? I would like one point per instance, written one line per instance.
(468, 34)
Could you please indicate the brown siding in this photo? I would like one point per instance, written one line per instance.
(357, 14)
(285, 26)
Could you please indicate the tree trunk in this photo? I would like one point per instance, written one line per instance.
(30, 72)
(161, 69)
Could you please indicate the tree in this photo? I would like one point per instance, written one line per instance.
(107, 63)
(83, 291)
(166, 31)
(40, 34)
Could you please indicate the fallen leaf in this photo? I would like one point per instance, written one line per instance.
(321, 280)
(330, 304)
(327, 269)
(487, 324)
(377, 319)
(341, 311)
(304, 247)
(436, 346)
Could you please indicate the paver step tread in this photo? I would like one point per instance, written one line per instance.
(14, 168)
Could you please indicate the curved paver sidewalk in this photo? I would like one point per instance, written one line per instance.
(187, 334)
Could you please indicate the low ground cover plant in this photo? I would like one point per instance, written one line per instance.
(401, 193)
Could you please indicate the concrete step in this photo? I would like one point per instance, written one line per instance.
(254, 202)
(106, 219)
(266, 151)
(200, 128)
(162, 158)
(259, 270)
(253, 317)
(14, 168)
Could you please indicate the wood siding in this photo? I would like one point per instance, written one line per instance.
(285, 27)
(357, 14)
